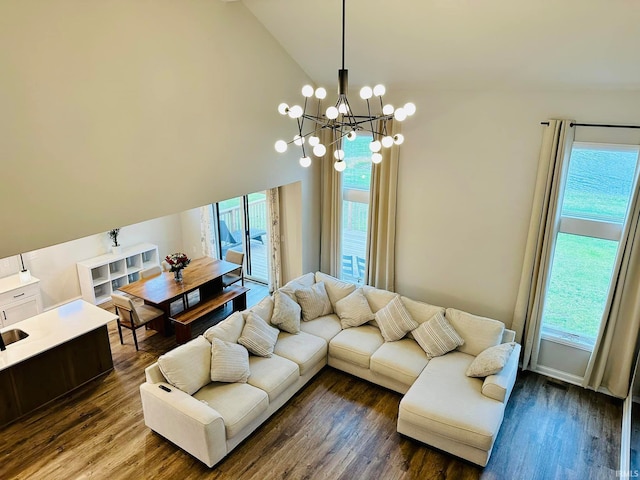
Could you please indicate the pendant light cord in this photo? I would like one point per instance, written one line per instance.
(344, 2)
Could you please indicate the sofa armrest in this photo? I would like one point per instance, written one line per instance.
(185, 421)
(499, 386)
(508, 336)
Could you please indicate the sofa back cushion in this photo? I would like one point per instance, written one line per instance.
(421, 312)
(478, 333)
(228, 330)
(188, 367)
(303, 281)
(377, 298)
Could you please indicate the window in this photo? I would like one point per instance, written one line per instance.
(356, 182)
(595, 201)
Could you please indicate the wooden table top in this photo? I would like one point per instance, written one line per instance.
(163, 288)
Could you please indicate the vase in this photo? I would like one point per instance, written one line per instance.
(177, 275)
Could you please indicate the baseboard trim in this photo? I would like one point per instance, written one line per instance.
(558, 375)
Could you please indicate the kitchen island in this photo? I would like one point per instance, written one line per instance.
(66, 347)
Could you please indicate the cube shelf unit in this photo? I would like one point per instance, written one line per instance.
(101, 276)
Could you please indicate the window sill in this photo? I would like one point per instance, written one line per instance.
(567, 339)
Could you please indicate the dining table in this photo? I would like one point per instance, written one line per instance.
(161, 290)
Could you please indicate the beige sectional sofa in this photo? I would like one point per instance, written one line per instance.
(441, 406)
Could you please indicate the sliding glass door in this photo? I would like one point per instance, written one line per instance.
(240, 225)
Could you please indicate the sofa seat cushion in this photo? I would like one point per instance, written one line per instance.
(304, 349)
(325, 327)
(444, 401)
(356, 345)
(403, 360)
(239, 404)
(272, 374)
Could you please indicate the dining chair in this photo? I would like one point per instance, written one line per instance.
(232, 256)
(151, 271)
(133, 316)
(361, 264)
(347, 265)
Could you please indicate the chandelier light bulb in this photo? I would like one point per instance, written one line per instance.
(298, 140)
(379, 90)
(387, 109)
(319, 150)
(351, 136)
(281, 146)
(342, 108)
(295, 111)
(398, 139)
(321, 93)
(376, 157)
(332, 113)
(375, 146)
(283, 108)
(313, 140)
(366, 93)
(340, 166)
(305, 162)
(410, 108)
(339, 154)
(307, 91)
(400, 114)
(387, 141)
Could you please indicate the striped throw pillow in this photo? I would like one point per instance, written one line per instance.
(354, 309)
(229, 362)
(394, 320)
(286, 313)
(259, 337)
(437, 336)
(314, 301)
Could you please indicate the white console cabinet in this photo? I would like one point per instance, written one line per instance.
(18, 300)
(100, 276)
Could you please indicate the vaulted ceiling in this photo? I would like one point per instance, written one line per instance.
(463, 44)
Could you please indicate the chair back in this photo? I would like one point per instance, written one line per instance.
(234, 257)
(151, 271)
(124, 304)
(225, 234)
(347, 265)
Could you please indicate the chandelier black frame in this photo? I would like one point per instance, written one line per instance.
(340, 119)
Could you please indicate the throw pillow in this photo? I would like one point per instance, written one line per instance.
(478, 333)
(286, 313)
(336, 289)
(354, 309)
(394, 320)
(259, 337)
(437, 337)
(490, 361)
(228, 330)
(314, 301)
(264, 309)
(229, 362)
(187, 367)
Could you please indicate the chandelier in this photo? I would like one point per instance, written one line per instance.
(340, 120)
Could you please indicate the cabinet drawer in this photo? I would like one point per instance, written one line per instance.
(18, 293)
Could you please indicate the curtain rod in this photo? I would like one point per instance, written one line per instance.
(604, 125)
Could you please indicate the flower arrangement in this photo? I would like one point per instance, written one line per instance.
(177, 261)
(113, 235)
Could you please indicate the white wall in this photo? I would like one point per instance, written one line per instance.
(112, 113)
(466, 182)
(55, 266)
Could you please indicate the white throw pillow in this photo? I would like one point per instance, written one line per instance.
(491, 361)
(354, 309)
(437, 337)
(286, 313)
(478, 333)
(314, 301)
(228, 330)
(229, 362)
(336, 289)
(394, 320)
(188, 366)
(259, 337)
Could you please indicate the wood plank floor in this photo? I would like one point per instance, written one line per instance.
(338, 427)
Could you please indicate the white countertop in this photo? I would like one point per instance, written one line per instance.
(52, 328)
